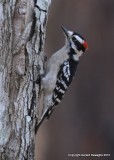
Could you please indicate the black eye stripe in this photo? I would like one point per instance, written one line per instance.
(78, 44)
(74, 39)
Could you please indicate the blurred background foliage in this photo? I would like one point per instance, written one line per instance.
(84, 121)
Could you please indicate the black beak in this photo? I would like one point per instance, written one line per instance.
(65, 31)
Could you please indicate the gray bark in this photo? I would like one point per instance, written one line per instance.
(22, 38)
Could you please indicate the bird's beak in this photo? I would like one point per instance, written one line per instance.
(65, 31)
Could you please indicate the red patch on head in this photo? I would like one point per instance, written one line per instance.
(85, 45)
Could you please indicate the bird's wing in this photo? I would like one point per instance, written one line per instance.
(64, 78)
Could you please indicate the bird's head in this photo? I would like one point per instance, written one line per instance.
(75, 41)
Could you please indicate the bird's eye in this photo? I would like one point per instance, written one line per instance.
(78, 44)
(74, 39)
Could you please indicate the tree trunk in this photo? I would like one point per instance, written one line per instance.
(22, 37)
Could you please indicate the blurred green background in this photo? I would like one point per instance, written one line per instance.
(84, 121)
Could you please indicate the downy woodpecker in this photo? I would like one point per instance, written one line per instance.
(60, 70)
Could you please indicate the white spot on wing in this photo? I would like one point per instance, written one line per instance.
(63, 83)
(62, 91)
(66, 70)
(55, 96)
(57, 88)
(58, 100)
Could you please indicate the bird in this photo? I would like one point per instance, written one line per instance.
(60, 70)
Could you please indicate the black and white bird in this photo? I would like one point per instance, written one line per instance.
(60, 71)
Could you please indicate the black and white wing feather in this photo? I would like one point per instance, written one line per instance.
(64, 78)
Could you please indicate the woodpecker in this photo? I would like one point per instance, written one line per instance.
(60, 71)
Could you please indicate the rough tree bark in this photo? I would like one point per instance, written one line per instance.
(22, 37)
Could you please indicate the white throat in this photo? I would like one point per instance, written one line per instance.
(77, 56)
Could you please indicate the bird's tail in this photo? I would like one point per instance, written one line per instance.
(46, 115)
(43, 117)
